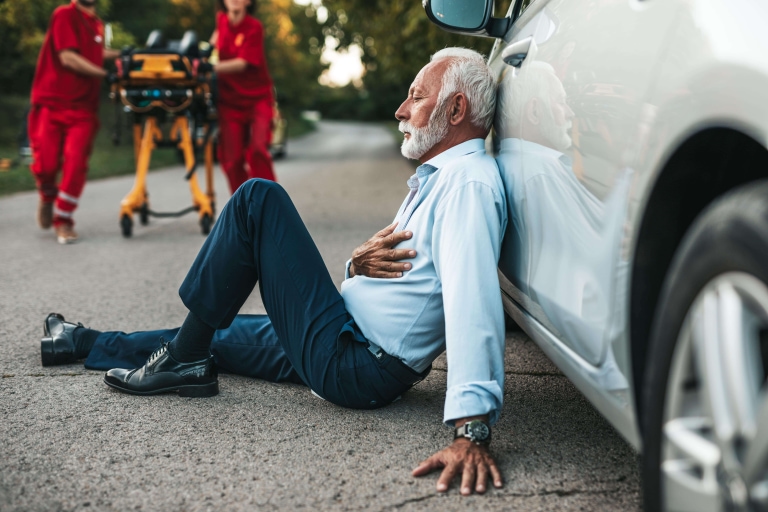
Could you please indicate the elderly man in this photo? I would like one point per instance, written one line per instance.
(425, 284)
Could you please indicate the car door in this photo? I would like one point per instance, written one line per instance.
(568, 128)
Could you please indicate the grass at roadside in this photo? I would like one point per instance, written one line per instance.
(106, 160)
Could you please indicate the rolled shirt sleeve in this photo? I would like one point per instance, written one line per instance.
(469, 225)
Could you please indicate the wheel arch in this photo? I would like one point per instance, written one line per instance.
(708, 163)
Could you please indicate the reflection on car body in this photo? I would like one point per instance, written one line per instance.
(632, 140)
(559, 261)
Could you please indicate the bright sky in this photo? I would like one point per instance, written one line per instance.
(345, 66)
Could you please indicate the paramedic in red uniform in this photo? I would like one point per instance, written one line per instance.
(245, 94)
(63, 119)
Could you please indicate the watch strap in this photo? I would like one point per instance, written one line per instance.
(465, 431)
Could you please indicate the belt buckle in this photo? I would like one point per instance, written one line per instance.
(375, 350)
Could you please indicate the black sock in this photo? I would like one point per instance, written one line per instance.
(193, 341)
(84, 339)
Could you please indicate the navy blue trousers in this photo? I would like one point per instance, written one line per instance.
(307, 336)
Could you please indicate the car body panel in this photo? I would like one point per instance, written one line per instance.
(640, 78)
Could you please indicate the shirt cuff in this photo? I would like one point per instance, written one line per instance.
(346, 271)
(473, 399)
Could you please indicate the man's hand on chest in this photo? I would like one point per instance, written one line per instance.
(378, 258)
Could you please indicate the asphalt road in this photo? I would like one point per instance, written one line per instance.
(68, 442)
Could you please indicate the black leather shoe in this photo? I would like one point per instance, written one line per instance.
(58, 344)
(163, 374)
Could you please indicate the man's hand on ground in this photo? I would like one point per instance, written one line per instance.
(377, 258)
(473, 461)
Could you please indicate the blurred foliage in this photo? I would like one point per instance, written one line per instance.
(288, 29)
(397, 39)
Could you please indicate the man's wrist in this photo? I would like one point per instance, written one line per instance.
(466, 443)
(473, 429)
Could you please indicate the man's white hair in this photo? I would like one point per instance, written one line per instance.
(470, 74)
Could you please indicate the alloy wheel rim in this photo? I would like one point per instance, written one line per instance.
(714, 450)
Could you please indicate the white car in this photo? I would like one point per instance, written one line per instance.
(631, 136)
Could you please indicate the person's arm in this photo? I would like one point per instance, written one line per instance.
(214, 38)
(110, 53)
(467, 234)
(250, 53)
(73, 61)
(236, 65)
(66, 44)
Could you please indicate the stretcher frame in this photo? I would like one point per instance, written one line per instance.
(154, 85)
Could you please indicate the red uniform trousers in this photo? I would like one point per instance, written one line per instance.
(244, 137)
(61, 139)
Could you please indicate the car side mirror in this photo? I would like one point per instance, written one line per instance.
(470, 17)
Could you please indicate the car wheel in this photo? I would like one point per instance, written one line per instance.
(705, 402)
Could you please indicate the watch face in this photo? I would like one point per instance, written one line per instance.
(479, 430)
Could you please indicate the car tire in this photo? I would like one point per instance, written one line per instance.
(705, 411)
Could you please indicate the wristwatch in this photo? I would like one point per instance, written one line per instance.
(476, 431)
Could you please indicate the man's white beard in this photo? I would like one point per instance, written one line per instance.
(423, 139)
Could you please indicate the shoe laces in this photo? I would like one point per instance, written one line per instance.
(157, 353)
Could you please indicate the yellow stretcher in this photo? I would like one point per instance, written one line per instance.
(161, 85)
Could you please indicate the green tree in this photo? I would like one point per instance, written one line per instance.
(397, 39)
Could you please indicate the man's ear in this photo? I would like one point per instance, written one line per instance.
(459, 108)
(532, 111)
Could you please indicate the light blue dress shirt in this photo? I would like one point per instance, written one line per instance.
(450, 299)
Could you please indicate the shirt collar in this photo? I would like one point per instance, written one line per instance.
(465, 148)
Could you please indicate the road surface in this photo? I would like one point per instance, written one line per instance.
(68, 442)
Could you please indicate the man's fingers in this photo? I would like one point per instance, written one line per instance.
(468, 479)
(446, 476)
(428, 465)
(482, 478)
(400, 254)
(496, 474)
(381, 274)
(395, 238)
(387, 230)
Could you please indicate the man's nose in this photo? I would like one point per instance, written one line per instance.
(402, 113)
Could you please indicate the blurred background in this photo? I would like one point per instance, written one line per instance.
(346, 59)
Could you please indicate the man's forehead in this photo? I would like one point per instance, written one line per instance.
(430, 75)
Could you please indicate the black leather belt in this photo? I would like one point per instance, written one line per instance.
(396, 367)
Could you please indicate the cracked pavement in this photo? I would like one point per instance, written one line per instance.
(70, 443)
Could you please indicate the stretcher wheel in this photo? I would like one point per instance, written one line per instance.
(206, 221)
(126, 225)
(144, 214)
